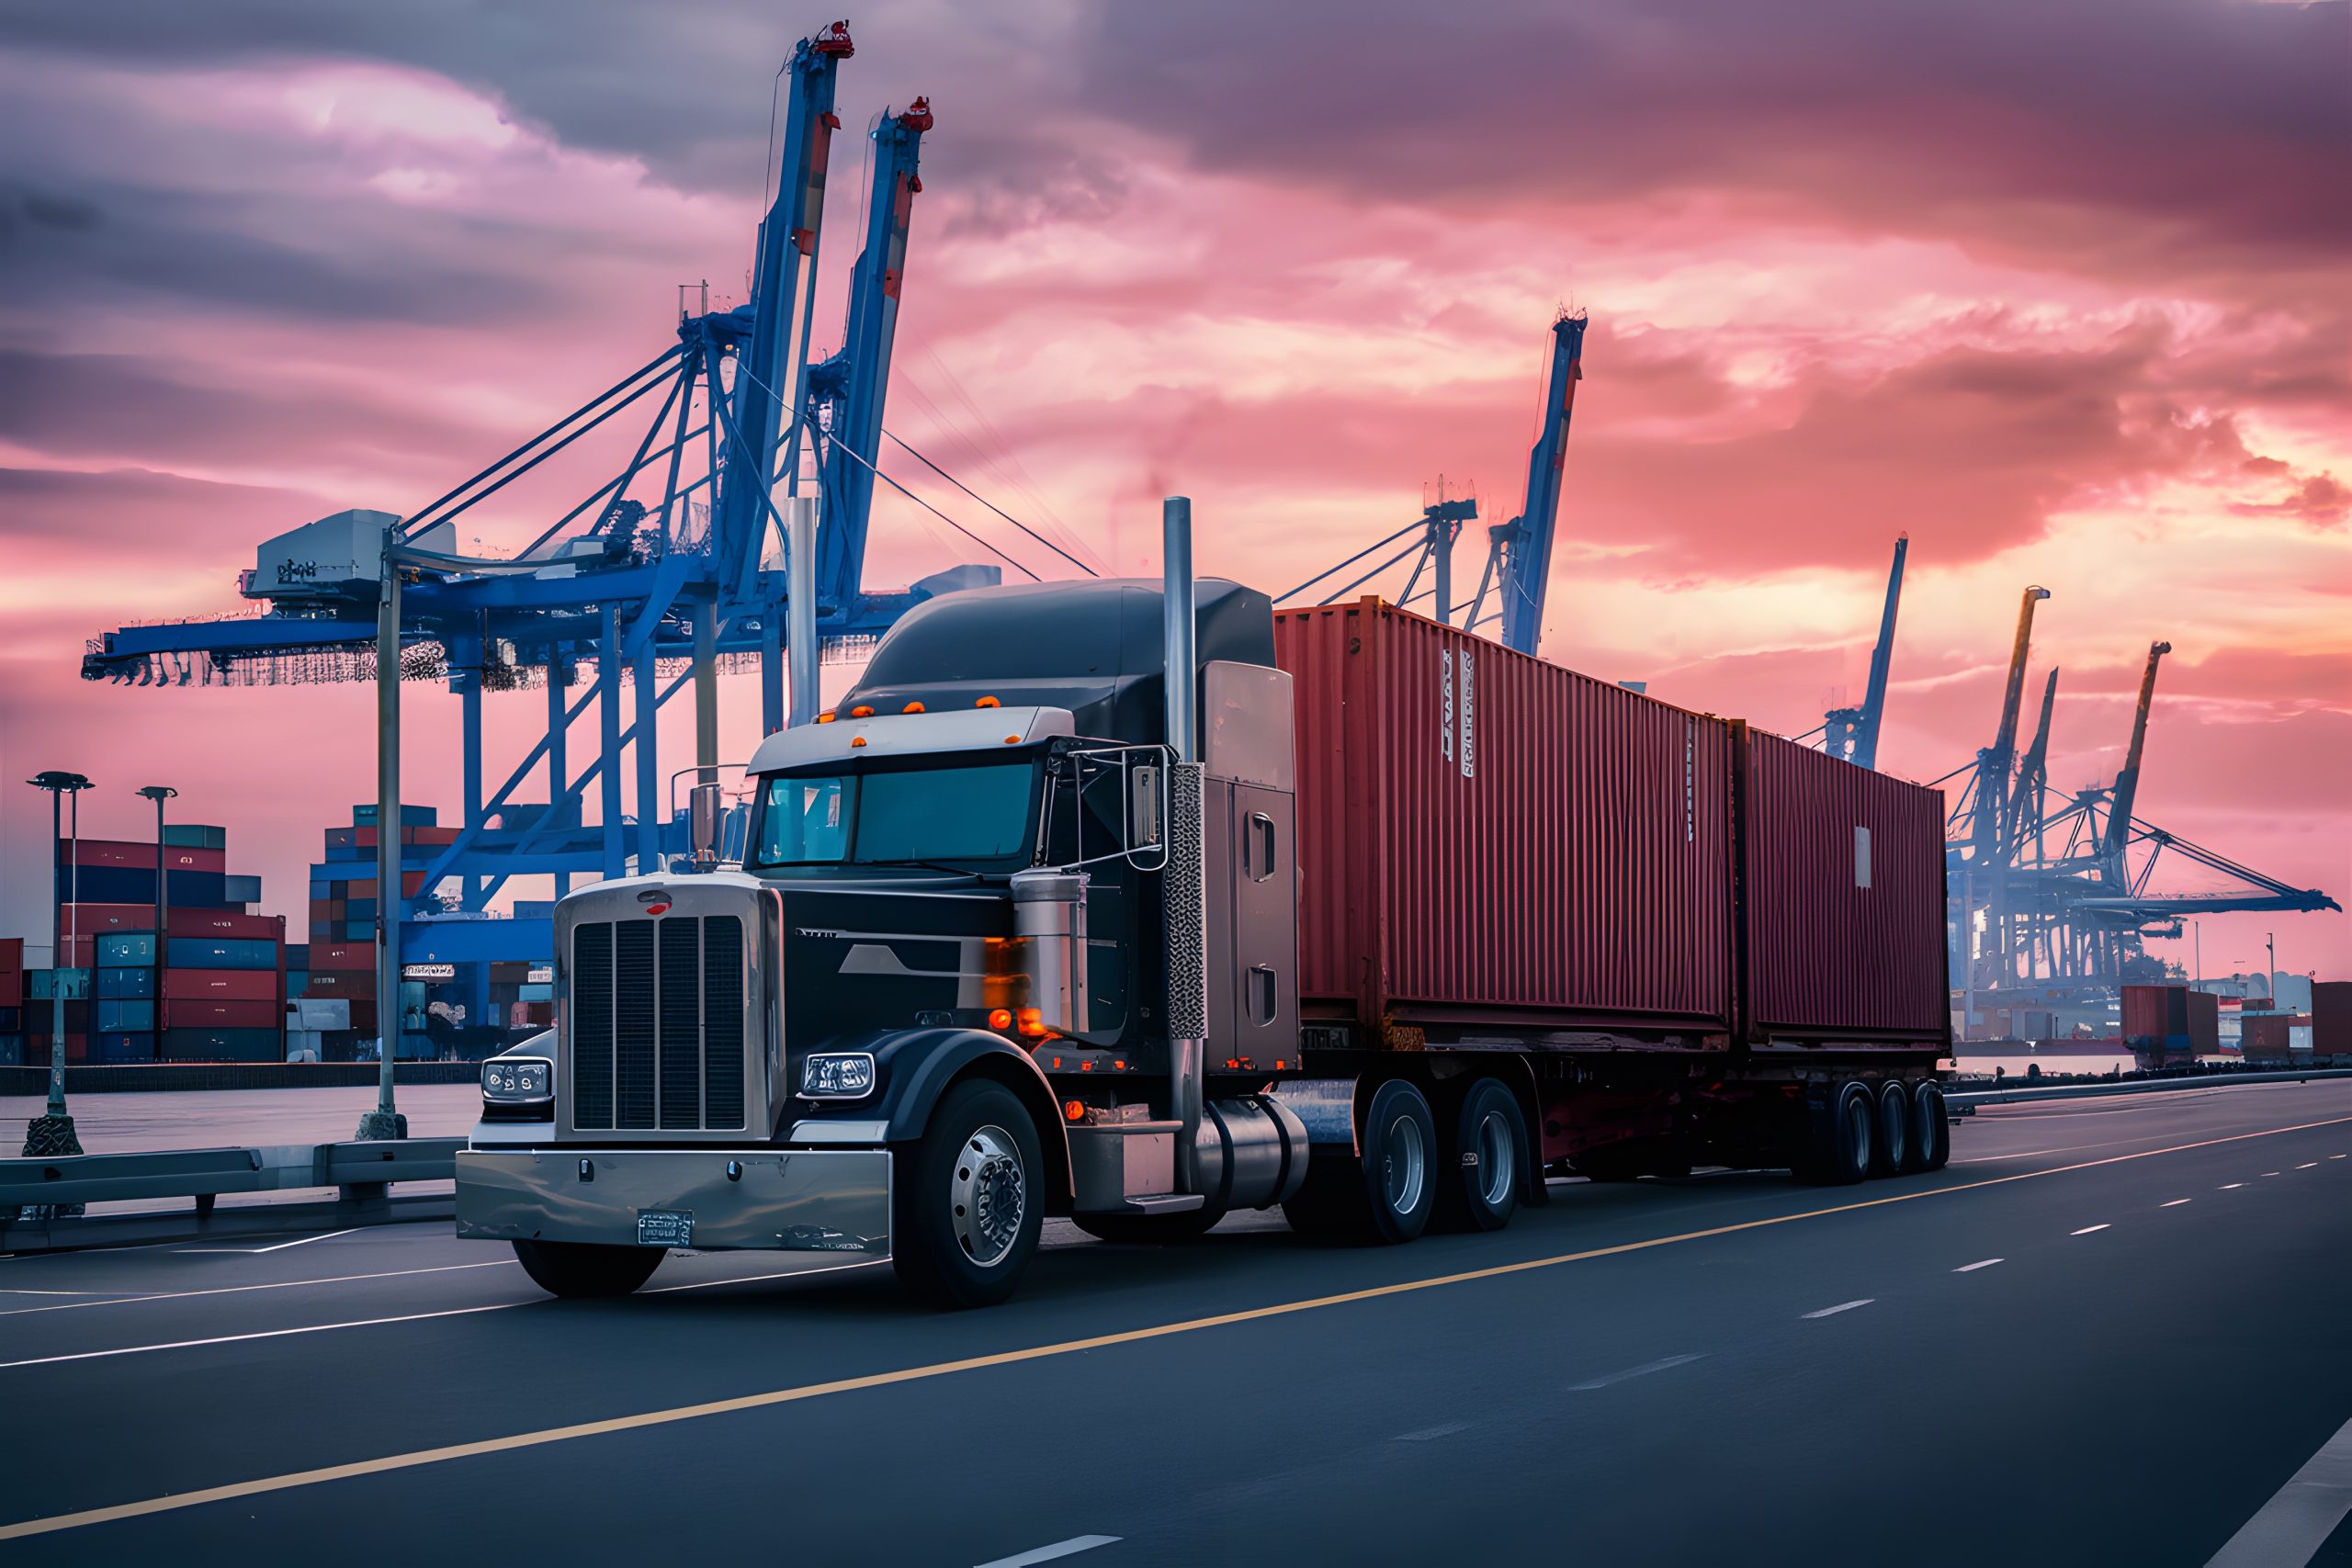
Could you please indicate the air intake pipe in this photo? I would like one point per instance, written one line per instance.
(1183, 884)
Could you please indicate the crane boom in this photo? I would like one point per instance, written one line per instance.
(2127, 781)
(856, 380)
(1881, 660)
(1994, 763)
(1524, 544)
(763, 394)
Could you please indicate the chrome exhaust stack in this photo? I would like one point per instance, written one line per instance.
(1184, 883)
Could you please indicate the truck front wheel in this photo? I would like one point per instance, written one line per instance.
(966, 1202)
(584, 1269)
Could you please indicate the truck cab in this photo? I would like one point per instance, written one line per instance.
(929, 1009)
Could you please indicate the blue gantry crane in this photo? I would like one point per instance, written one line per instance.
(1519, 552)
(1852, 732)
(663, 571)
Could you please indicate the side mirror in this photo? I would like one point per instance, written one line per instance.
(704, 806)
(1144, 812)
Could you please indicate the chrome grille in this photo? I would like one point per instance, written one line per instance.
(656, 1025)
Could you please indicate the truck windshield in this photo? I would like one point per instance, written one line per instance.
(878, 818)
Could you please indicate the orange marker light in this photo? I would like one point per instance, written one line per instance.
(1032, 1021)
(827, 717)
(912, 707)
(1000, 1018)
(988, 702)
(857, 740)
(861, 711)
(1012, 740)
(1074, 1110)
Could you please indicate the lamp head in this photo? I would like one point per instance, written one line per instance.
(57, 780)
(158, 792)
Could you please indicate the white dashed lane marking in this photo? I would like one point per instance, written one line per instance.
(1842, 1307)
(1643, 1370)
(2087, 1229)
(1971, 1268)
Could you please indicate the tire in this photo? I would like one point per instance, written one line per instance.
(1479, 1189)
(1891, 1140)
(1930, 1130)
(968, 1201)
(1383, 1195)
(1843, 1137)
(579, 1269)
(1150, 1230)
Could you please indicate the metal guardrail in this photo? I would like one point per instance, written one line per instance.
(205, 1174)
(2141, 1086)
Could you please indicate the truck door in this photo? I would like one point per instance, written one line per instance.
(1264, 925)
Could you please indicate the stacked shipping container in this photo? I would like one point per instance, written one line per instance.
(1488, 841)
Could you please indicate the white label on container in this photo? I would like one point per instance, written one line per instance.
(1861, 857)
(1445, 704)
(1469, 720)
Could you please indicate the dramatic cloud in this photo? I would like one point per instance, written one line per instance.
(2057, 290)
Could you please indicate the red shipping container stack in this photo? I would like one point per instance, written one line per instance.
(206, 1012)
(136, 856)
(224, 985)
(1489, 840)
(2265, 1038)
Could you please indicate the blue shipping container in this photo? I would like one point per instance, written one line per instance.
(410, 816)
(113, 983)
(545, 993)
(298, 981)
(195, 836)
(357, 930)
(221, 953)
(127, 949)
(225, 1045)
(240, 889)
(119, 1049)
(132, 885)
(117, 1014)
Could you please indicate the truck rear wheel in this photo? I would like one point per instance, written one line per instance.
(1481, 1191)
(1891, 1146)
(578, 1269)
(1839, 1154)
(1385, 1193)
(966, 1202)
(1930, 1130)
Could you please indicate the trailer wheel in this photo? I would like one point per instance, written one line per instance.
(966, 1202)
(1150, 1230)
(1891, 1147)
(1839, 1151)
(1930, 1130)
(580, 1269)
(1480, 1191)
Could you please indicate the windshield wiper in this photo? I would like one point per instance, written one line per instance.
(932, 865)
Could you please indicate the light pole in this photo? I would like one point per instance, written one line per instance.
(52, 1132)
(2271, 975)
(385, 1121)
(160, 793)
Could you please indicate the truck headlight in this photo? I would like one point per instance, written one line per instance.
(836, 1075)
(515, 1080)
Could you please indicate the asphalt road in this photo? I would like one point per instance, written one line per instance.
(2111, 1332)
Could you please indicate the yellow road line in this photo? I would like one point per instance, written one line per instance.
(1013, 1358)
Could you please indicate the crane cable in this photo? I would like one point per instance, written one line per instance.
(983, 501)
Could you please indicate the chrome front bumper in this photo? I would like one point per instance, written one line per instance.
(777, 1200)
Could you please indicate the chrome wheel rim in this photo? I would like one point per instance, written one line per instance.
(1498, 1153)
(989, 1195)
(1404, 1166)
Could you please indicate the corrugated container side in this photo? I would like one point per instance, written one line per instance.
(224, 1045)
(2153, 1014)
(2204, 1023)
(2265, 1038)
(2332, 1017)
(138, 856)
(115, 983)
(342, 955)
(1487, 837)
(209, 1012)
(221, 953)
(1844, 900)
(218, 922)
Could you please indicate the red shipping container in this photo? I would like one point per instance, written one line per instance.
(2264, 1039)
(2153, 1014)
(201, 1012)
(224, 985)
(88, 920)
(1844, 900)
(2332, 1017)
(2204, 1023)
(221, 922)
(137, 856)
(342, 955)
(1485, 837)
(12, 965)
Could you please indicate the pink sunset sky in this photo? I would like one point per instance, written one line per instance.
(2060, 291)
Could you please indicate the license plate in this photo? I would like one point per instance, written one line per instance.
(665, 1227)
